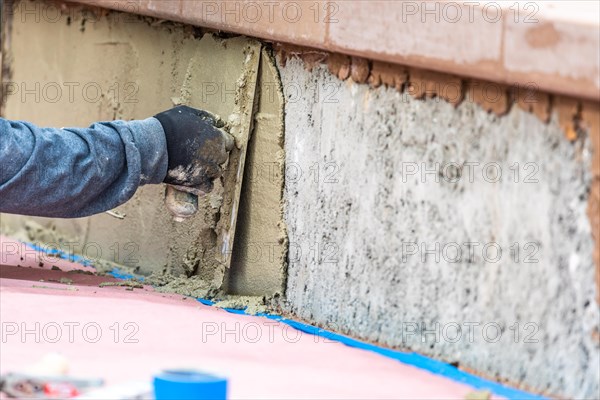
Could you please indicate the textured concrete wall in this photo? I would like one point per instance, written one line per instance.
(377, 245)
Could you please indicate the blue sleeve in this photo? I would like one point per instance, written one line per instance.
(74, 172)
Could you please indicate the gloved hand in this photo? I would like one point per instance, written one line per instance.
(196, 148)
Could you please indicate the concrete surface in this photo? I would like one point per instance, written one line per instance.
(356, 230)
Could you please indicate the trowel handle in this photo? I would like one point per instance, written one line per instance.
(182, 205)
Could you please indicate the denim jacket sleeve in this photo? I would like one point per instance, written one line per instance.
(76, 172)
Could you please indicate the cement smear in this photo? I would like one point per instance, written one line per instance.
(137, 70)
(259, 259)
(250, 304)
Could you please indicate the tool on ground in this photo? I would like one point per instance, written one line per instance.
(34, 386)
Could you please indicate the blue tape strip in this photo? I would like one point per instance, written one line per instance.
(61, 254)
(410, 358)
(116, 272)
(414, 359)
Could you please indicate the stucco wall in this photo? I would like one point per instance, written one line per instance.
(376, 215)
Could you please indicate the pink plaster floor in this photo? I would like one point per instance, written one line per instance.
(132, 334)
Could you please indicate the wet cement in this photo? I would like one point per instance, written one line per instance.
(141, 68)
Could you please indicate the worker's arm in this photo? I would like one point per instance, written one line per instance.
(76, 172)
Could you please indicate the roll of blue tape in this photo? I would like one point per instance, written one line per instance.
(189, 385)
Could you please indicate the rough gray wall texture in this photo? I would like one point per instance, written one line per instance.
(360, 223)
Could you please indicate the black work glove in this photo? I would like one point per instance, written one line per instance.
(196, 147)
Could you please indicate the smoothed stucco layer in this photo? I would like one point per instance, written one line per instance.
(123, 67)
(258, 264)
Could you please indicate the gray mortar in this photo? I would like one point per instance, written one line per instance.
(359, 284)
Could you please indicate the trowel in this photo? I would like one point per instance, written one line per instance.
(219, 76)
(182, 202)
(184, 205)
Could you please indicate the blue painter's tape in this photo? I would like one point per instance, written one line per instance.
(117, 273)
(61, 254)
(410, 358)
(189, 385)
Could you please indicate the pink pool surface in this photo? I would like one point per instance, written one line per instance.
(125, 335)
